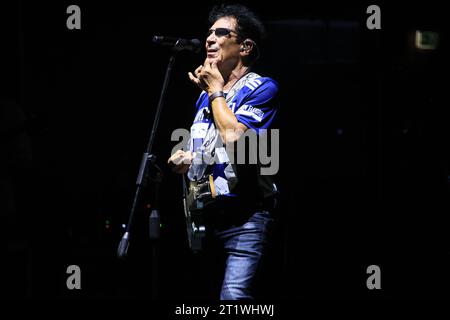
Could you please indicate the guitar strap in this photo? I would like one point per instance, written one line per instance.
(212, 146)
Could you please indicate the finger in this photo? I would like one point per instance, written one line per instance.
(193, 79)
(178, 160)
(186, 160)
(172, 162)
(176, 154)
(198, 70)
(207, 66)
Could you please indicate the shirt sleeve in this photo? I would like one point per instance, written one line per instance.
(260, 107)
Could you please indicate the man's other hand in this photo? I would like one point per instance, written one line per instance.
(180, 161)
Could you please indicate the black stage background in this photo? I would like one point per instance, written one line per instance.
(364, 149)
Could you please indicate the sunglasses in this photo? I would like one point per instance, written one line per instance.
(220, 32)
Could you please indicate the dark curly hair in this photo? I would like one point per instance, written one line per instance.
(249, 26)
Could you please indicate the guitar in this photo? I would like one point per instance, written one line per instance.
(195, 199)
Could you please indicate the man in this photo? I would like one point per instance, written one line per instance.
(233, 100)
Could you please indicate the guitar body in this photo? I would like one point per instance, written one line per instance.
(195, 199)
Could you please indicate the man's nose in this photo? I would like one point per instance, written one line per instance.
(211, 39)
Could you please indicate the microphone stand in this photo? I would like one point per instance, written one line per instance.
(147, 167)
(147, 164)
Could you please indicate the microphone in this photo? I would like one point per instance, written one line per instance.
(178, 43)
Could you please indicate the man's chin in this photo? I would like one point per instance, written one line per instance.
(211, 60)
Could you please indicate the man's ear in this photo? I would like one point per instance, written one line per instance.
(246, 45)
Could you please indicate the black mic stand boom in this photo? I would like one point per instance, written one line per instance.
(148, 164)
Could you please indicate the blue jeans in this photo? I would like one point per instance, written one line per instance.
(244, 246)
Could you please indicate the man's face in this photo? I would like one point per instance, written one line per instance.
(220, 47)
